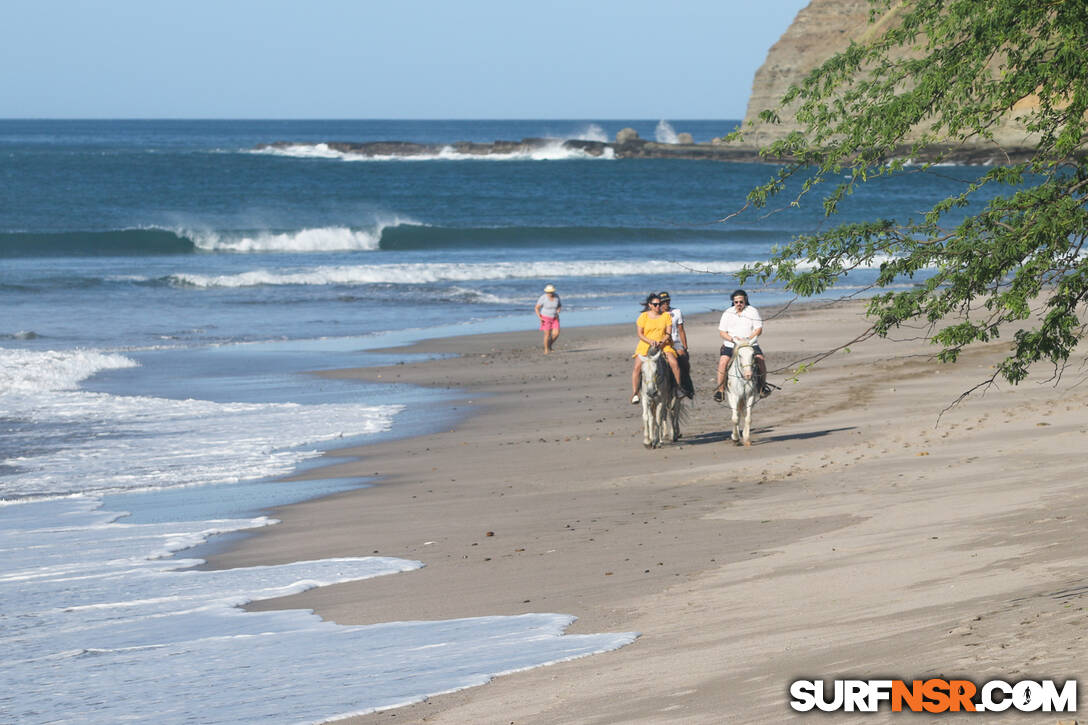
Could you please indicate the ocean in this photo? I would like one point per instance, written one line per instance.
(166, 287)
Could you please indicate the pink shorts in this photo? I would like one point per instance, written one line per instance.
(549, 323)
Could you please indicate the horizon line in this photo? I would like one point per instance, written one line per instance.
(271, 118)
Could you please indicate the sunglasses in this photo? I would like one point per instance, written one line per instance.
(655, 304)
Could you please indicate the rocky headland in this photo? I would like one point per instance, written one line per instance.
(826, 27)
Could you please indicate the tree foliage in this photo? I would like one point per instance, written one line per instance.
(942, 76)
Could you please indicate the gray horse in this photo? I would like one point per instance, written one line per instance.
(662, 404)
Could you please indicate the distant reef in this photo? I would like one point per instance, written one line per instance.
(628, 145)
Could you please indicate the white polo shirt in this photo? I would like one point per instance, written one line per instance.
(742, 325)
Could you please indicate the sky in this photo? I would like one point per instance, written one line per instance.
(345, 59)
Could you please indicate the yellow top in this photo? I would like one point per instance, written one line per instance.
(655, 328)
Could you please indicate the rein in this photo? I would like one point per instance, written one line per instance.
(736, 368)
(660, 371)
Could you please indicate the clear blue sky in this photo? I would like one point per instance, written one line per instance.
(591, 59)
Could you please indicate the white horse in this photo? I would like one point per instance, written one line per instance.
(741, 388)
(661, 401)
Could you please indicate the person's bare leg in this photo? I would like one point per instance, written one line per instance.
(723, 365)
(555, 336)
(636, 377)
(547, 341)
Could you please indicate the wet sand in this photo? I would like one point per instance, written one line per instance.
(868, 531)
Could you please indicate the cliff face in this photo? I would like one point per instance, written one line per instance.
(820, 30)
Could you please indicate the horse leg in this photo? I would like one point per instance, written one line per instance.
(734, 404)
(674, 416)
(651, 425)
(665, 421)
(662, 421)
(748, 420)
(655, 425)
(667, 402)
(647, 419)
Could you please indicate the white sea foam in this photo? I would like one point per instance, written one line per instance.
(318, 239)
(553, 151)
(27, 371)
(101, 605)
(468, 294)
(301, 151)
(438, 272)
(665, 133)
(94, 603)
(112, 442)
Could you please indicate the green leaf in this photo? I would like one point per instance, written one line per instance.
(934, 75)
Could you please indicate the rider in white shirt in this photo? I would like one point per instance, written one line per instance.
(740, 323)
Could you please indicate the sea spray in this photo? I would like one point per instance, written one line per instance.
(592, 132)
(664, 133)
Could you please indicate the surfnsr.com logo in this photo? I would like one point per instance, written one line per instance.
(933, 695)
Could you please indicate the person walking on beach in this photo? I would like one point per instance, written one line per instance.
(547, 309)
(654, 327)
(740, 323)
(680, 342)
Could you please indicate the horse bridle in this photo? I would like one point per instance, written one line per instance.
(659, 369)
(735, 361)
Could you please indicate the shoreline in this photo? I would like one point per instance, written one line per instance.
(855, 537)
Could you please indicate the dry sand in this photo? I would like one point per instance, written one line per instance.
(864, 534)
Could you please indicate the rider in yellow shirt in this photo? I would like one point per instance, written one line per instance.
(654, 327)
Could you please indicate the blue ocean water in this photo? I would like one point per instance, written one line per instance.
(164, 286)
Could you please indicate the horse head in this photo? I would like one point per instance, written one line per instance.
(744, 356)
(651, 370)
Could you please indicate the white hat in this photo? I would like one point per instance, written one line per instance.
(549, 288)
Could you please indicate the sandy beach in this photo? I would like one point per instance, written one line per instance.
(868, 532)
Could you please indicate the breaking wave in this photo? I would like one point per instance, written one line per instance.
(392, 233)
(153, 241)
(321, 239)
